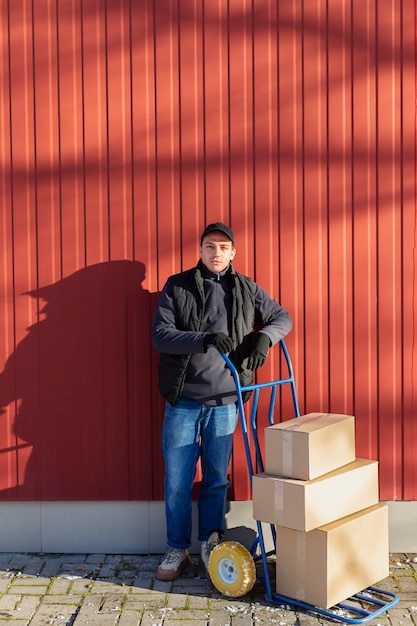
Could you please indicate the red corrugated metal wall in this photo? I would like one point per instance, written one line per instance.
(125, 127)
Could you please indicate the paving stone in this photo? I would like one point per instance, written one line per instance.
(33, 580)
(177, 600)
(142, 582)
(144, 587)
(272, 614)
(52, 567)
(102, 586)
(43, 589)
(308, 620)
(151, 620)
(390, 584)
(34, 590)
(81, 585)
(73, 558)
(198, 602)
(194, 621)
(136, 559)
(8, 603)
(400, 616)
(6, 557)
(145, 595)
(162, 585)
(407, 584)
(187, 614)
(134, 604)
(64, 599)
(218, 618)
(150, 563)
(147, 605)
(4, 584)
(34, 567)
(90, 613)
(112, 602)
(60, 586)
(52, 614)
(19, 561)
(130, 618)
(242, 620)
(27, 605)
(107, 571)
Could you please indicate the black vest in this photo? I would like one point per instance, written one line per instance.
(188, 296)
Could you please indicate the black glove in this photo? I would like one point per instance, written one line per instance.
(259, 351)
(222, 342)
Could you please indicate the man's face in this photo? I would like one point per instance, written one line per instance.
(217, 251)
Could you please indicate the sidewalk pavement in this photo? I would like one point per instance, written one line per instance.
(121, 590)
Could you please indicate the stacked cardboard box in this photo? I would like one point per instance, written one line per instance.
(332, 533)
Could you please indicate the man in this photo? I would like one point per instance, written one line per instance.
(202, 312)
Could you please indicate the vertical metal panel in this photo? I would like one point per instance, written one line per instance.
(125, 127)
(408, 257)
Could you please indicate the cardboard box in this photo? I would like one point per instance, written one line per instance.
(309, 446)
(329, 564)
(304, 505)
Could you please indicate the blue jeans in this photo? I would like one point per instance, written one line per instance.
(191, 430)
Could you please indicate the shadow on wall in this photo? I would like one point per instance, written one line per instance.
(82, 395)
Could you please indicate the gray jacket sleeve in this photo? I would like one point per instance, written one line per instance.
(275, 321)
(165, 335)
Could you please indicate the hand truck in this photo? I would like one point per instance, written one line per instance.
(232, 567)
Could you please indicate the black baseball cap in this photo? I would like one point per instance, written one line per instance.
(222, 228)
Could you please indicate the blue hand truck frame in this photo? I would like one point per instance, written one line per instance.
(359, 608)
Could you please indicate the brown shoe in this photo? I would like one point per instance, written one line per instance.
(175, 561)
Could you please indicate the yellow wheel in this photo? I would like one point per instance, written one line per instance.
(232, 569)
